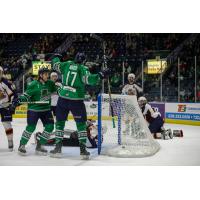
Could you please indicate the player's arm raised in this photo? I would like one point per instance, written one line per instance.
(88, 78)
(93, 79)
(57, 64)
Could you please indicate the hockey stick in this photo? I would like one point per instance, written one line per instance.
(110, 102)
(35, 102)
(109, 90)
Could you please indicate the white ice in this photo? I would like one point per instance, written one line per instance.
(178, 151)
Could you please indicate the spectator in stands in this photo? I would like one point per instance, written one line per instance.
(116, 80)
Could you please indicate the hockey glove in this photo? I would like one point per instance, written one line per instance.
(105, 73)
(56, 55)
(14, 104)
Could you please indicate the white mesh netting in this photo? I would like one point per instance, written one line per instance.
(131, 137)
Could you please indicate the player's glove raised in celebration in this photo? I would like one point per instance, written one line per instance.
(56, 55)
(105, 73)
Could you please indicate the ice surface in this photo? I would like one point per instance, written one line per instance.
(178, 151)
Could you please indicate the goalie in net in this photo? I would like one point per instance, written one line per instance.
(132, 137)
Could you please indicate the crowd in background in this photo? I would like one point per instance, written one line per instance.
(123, 51)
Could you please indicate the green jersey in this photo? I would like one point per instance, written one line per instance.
(74, 78)
(37, 91)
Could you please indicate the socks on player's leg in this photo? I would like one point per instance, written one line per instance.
(27, 134)
(9, 134)
(56, 152)
(82, 135)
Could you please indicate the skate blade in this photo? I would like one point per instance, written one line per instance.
(10, 149)
(85, 157)
(57, 155)
(39, 153)
(22, 154)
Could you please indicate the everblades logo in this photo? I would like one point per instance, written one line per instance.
(93, 106)
(181, 108)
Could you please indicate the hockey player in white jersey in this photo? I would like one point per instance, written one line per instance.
(132, 85)
(154, 120)
(6, 111)
(130, 117)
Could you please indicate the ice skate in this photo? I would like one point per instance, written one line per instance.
(85, 155)
(22, 150)
(57, 151)
(40, 150)
(10, 145)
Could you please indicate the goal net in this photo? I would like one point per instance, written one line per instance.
(131, 136)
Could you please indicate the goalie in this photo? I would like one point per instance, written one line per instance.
(70, 137)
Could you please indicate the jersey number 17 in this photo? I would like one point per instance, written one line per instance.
(69, 74)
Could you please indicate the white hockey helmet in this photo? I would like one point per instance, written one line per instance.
(131, 76)
(142, 101)
(53, 74)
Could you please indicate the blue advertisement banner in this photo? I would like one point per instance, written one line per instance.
(183, 116)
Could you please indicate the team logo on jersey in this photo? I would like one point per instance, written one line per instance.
(45, 95)
(181, 108)
(93, 106)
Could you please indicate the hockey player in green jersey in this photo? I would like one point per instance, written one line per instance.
(38, 95)
(75, 75)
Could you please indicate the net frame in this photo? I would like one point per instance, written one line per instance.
(138, 147)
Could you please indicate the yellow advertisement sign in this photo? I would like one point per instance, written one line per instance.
(36, 65)
(154, 66)
(20, 112)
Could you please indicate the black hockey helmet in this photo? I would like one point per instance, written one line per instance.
(43, 70)
(80, 58)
